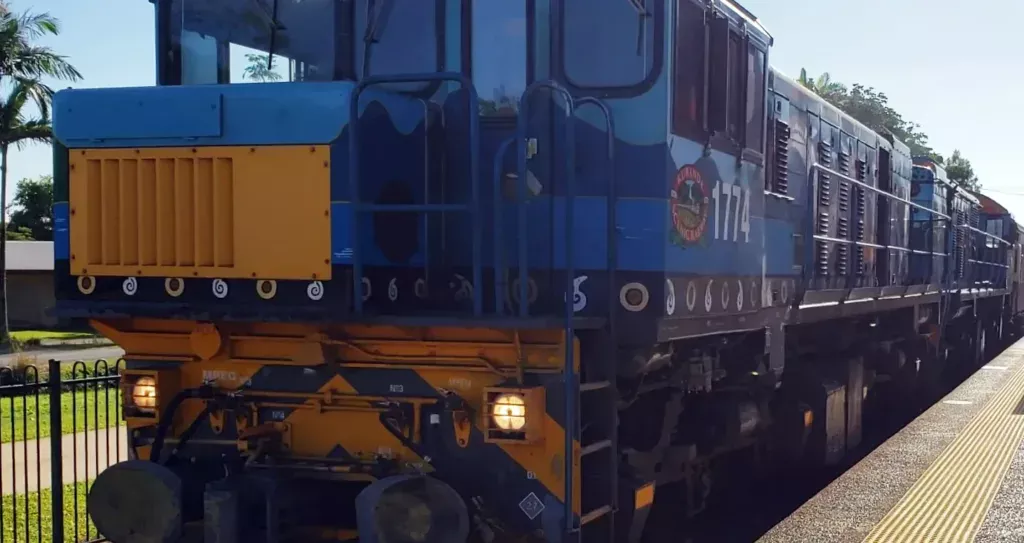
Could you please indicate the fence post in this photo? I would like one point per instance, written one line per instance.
(56, 464)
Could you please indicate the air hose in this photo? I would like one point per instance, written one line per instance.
(167, 416)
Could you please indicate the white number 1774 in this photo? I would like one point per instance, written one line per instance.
(737, 198)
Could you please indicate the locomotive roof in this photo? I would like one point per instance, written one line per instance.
(989, 205)
(937, 169)
(942, 178)
(812, 102)
(748, 17)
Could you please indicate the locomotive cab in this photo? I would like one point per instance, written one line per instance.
(313, 241)
(518, 270)
(419, 268)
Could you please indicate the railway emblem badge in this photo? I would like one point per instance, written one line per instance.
(689, 206)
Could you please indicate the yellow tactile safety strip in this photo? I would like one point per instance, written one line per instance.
(950, 500)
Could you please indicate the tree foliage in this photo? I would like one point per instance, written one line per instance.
(31, 217)
(259, 68)
(23, 65)
(960, 170)
(19, 234)
(20, 57)
(17, 125)
(871, 107)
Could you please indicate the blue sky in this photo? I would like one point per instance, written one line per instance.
(927, 58)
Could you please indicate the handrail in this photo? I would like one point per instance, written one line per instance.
(876, 190)
(857, 243)
(984, 233)
(987, 263)
(474, 150)
(813, 235)
(612, 236)
(521, 133)
(612, 219)
(569, 375)
(500, 280)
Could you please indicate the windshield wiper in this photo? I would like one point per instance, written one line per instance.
(271, 20)
(640, 8)
(273, 36)
(377, 14)
(641, 32)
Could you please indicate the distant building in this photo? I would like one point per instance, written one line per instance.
(30, 292)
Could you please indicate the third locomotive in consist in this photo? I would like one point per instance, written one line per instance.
(497, 271)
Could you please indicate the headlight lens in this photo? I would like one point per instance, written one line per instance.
(509, 412)
(144, 393)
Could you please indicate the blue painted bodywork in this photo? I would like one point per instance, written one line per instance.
(701, 225)
(869, 220)
(930, 189)
(423, 143)
(175, 116)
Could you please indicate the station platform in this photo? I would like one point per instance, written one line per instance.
(956, 473)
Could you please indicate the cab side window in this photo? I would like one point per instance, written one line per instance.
(688, 106)
(725, 97)
(735, 90)
(756, 83)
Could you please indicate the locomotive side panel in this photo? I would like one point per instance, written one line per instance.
(714, 249)
(785, 191)
(845, 231)
(895, 278)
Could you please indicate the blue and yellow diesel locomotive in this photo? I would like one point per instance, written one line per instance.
(494, 271)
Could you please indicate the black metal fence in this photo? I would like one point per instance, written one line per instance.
(60, 426)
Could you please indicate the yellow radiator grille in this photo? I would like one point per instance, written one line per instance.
(224, 212)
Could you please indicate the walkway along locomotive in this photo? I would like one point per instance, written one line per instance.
(496, 270)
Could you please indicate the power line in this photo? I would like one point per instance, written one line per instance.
(1007, 193)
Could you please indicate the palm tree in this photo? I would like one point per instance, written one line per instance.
(823, 85)
(16, 129)
(19, 57)
(23, 65)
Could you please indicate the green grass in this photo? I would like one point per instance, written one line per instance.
(74, 418)
(27, 515)
(38, 335)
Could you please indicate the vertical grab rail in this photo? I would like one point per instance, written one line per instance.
(613, 258)
(570, 172)
(474, 174)
(569, 374)
(500, 280)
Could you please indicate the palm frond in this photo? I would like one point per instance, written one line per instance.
(19, 57)
(36, 62)
(32, 131)
(40, 94)
(36, 25)
(21, 92)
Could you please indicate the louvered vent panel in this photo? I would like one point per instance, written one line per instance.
(781, 181)
(824, 205)
(843, 228)
(161, 212)
(861, 212)
(213, 212)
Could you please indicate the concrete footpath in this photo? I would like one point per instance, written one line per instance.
(42, 356)
(83, 456)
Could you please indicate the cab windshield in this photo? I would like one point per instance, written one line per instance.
(244, 41)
